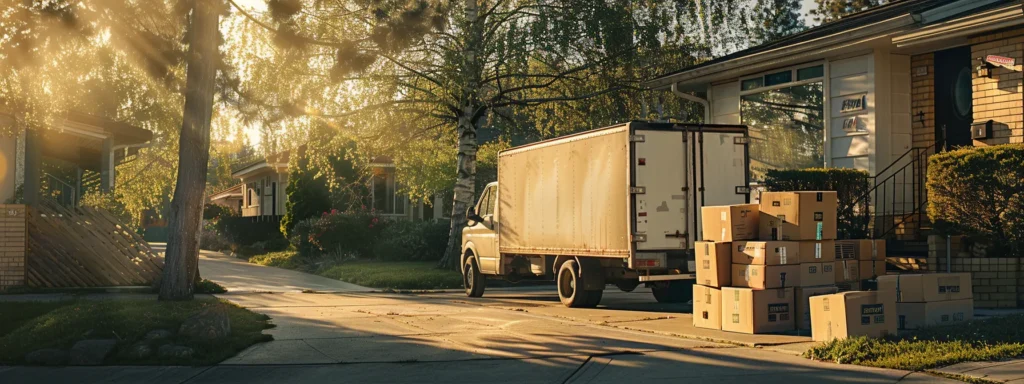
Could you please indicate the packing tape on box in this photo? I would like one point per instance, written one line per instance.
(723, 234)
(874, 251)
(782, 255)
(817, 250)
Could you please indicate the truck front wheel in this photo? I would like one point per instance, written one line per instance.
(472, 279)
(570, 287)
(673, 291)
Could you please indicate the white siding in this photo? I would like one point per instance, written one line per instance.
(725, 103)
(850, 78)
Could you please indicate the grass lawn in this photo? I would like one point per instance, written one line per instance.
(980, 340)
(26, 327)
(375, 274)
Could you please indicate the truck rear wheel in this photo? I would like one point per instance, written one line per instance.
(673, 291)
(570, 287)
(472, 279)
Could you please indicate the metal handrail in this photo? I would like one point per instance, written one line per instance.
(917, 162)
(68, 194)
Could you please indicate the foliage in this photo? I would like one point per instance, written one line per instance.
(322, 177)
(348, 233)
(108, 203)
(394, 275)
(832, 10)
(851, 187)
(246, 233)
(127, 321)
(209, 287)
(979, 340)
(281, 259)
(216, 211)
(774, 19)
(411, 241)
(979, 192)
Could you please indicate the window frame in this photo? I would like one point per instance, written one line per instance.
(793, 70)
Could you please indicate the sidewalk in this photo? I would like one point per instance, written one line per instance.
(998, 371)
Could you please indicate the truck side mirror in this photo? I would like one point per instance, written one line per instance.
(472, 216)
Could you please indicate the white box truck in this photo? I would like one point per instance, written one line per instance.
(617, 205)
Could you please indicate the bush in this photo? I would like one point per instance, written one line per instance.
(246, 232)
(412, 241)
(849, 184)
(352, 233)
(979, 192)
(213, 211)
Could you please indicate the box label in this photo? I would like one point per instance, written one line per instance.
(817, 250)
(778, 308)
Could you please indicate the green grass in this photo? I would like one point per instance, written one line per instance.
(397, 275)
(62, 324)
(209, 287)
(980, 340)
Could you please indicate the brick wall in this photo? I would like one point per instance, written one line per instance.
(1001, 97)
(922, 99)
(12, 245)
(996, 281)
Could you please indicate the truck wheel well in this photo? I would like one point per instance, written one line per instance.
(559, 260)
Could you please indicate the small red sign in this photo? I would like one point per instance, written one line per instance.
(1001, 61)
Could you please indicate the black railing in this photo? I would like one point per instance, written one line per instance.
(59, 191)
(898, 194)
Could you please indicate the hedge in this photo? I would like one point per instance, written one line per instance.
(262, 233)
(979, 192)
(849, 184)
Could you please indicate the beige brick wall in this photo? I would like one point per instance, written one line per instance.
(12, 245)
(1001, 97)
(922, 100)
(997, 282)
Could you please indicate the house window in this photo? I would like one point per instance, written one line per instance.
(786, 120)
(386, 198)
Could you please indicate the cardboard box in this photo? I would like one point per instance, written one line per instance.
(803, 304)
(817, 274)
(713, 261)
(918, 315)
(857, 313)
(747, 310)
(766, 252)
(729, 222)
(847, 271)
(707, 307)
(765, 276)
(871, 269)
(817, 251)
(862, 249)
(927, 288)
(798, 215)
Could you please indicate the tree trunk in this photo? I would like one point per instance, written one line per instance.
(465, 181)
(181, 266)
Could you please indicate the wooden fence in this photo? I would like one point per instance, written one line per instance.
(86, 247)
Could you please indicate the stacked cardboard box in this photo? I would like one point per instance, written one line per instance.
(930, 299)
(869, 255)
(855, 313)
(774, 269)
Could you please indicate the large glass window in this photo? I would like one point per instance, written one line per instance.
(386, 198)
(787, 128)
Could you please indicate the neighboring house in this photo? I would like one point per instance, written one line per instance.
(263, 184)
(878, 90)
(230, 198)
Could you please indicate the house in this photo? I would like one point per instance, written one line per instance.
(880, 91)
(48, 239)
(263, 183)
(230, 198)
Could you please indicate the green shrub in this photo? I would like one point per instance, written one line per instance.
(350, 233)
(979, 192)
(213, 211)
(412, 241)
(244, 232)
(849, 184)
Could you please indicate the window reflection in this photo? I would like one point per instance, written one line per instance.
(786, 128)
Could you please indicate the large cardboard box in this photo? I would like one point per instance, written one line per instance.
(765, 276)
(729, 222)
(714, 261)
(847, 271)
(747, 310)
(803, 304)
(798, 215)
(817, 274)
(817, 251)
(857, 313)
(917, 315)
(870, 269)
(766, 252)
(863, 249)
(707, 307)
(926, 288)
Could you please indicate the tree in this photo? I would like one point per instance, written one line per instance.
(832, 10)
(316, 186)
(181, 265)
(775, 19)
(439, 72)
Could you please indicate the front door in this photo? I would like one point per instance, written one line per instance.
(953, 98)
(483, 234)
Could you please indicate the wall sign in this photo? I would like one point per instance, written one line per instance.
(858, 103)
(921, 71)
(1001, 61)
(852, 124)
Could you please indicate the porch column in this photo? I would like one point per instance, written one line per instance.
(107, 166)
(78, 185)
(33, 167)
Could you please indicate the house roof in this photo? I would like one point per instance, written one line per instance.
(838, 28)
(233, 191)
(279, 159)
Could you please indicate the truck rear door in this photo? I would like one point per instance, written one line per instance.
(722, 173)
(660, 197)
